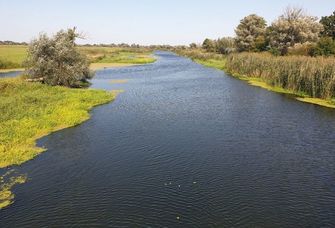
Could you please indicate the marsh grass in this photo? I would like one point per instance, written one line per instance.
(29, 111)
(314, 77)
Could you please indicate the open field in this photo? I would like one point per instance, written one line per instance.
(12, 56)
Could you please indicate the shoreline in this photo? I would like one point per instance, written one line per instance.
(93, 66)
(11, 70)
(258, 82)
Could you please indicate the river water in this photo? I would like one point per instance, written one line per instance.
(183, 146)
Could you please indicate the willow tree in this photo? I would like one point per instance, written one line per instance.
(250, 33)
(56, 60)
(293, 27)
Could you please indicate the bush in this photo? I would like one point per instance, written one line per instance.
(55, 61)
(305, 49)
(325, 46)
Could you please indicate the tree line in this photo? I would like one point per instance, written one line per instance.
(292, 33)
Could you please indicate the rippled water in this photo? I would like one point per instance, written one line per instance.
(184, 146)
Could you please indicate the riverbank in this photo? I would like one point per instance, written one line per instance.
(256, 79)
(29, 111)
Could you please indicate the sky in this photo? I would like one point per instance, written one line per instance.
(174, 22)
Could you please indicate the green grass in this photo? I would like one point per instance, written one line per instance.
(12, 56)
(29, 111)
(118, 55)
(214, 63)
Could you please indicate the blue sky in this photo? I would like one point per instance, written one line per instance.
(141, 21)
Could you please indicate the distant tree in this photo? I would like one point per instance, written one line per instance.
(293, 27)
(250, 32)
(209, 45)
(328, 23)
(193, 45)
(225, 45)
(325, 46)
(56, 61)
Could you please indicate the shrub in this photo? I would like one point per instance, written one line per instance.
(56, 61)
(325, 46)
(305, 49)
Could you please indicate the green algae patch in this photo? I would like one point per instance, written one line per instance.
(318, 101)
(6, 194)
(29, 111)
(119, 81)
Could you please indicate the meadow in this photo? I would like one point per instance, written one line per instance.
(13, 56)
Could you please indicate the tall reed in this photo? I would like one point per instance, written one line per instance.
(312, 76)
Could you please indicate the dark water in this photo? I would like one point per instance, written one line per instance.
(184, 141)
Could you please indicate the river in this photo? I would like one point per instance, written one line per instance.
(183, 146)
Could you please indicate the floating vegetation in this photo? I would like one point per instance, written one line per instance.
(119, 81)
(7, 182)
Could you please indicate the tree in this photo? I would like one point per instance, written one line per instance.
(208, 45)
(225, 45)
(250, 31)
(293, 27)
(325, 46)
(56, 61)
(193, 45)
(328, 23)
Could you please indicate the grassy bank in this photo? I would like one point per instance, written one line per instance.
(12, 56)
(308, 79)
(29, 111)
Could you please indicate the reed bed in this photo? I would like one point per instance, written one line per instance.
(314, 77)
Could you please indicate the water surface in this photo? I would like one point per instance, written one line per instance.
(184, 146)
(10, 74)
